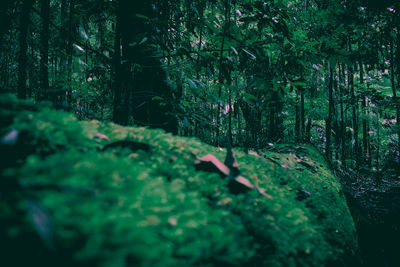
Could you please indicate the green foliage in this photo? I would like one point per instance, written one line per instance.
(48, 131)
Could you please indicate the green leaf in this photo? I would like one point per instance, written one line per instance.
(192, 84)
(157, 98)
(143, 40)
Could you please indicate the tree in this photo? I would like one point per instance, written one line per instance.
(44, 49)
(25, 9)
(143, 79)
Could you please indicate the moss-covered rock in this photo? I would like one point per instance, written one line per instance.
(75, 204)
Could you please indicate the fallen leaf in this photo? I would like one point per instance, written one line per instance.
(244, 181)
(101, 136)
(173, 221)
(264, 194)
(253, 153)
(285, 166)
(10, 138)
(211, 164)
(133, 155)
(237, 184)
(42, 223)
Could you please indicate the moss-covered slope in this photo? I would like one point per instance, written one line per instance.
(70, 203)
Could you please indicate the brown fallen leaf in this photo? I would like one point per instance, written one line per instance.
(10, 138)
(244, 181)
(211, 164)
(264, 194)
(253, 153)
(237, 184)
(285, 166)
(173, 221)
(101, 136)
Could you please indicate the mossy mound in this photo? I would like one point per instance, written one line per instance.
(68, 203)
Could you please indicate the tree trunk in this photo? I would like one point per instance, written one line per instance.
(297, 123)
(120, 115)
(397, 62)
(354, 104)
(221, 66)
(44, 49)
(69, 48)
(330, 116)
(394, 85)
(302, 115)
(366, 153)
(143, 77)
(23, 47)
(342, 121)
(5, 19)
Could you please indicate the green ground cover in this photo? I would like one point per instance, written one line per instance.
(69, 202)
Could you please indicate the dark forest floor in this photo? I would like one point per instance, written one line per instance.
(375, 205)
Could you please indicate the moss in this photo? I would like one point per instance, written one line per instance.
(124, 208)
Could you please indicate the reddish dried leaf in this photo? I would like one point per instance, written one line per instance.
(101, 136)
(244, 181)
(10, 138)
(211, 159)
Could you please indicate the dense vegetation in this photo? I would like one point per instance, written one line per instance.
(256, 75)
(246, 72)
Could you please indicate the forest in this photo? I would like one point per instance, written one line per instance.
(200, 132)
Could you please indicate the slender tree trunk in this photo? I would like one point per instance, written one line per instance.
(221, 66)
(297, 123)
(239, 124)
(302, 116)
(378, 138)
(397, 62)
(354, 103)
(366, 154)
(23, 47)
(69, 49)
(119, 116)
(44, 49)
(342, 121)
(393, 73)
(32, 74)
(354, 115)
(196, 122)
(63, 35)
(71, 34)
(336, 126)
(328, 152)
